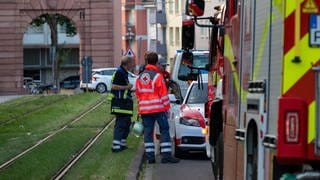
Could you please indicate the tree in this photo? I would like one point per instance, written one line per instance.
(53, 20)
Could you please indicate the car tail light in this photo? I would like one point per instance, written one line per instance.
(94, 78)
(206, 110)
(292, 127)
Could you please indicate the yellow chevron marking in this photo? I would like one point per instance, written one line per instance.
(292, 72)
(312, 122)
(310, 7)
(279, 5)
(290, 6)
(261, 48)
(228, 52)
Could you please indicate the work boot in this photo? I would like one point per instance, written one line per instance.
(170, 159)
(124, 147)
(116, 150)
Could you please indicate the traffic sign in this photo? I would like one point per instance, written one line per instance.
(129, 53)
(314, 30)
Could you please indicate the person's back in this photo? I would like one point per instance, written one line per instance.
(153, 102)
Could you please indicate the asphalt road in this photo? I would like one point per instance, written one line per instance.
(191, 166)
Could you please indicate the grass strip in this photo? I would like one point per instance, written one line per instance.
(23, 133)
(14, 110)
(44, 161)
(100, 163)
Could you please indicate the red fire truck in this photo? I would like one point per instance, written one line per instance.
(264, 86)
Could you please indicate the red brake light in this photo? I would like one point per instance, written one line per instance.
(94, 78)
(292, 127)
(206, 110)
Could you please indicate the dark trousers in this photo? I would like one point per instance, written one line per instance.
(148, 123)
(121, 131)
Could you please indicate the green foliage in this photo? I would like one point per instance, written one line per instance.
(71, 30)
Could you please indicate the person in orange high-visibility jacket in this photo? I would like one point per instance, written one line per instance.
(153, 103)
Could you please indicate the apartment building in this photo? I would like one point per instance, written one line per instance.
(175, 12)
(97, 23)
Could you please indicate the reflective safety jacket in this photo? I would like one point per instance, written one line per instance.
(151, 91)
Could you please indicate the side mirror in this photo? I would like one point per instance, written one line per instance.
(187, 58)
(186, 64)
(194, 7)
(187, 34)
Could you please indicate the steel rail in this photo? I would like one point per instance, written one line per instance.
(62, 172)
(9, 162)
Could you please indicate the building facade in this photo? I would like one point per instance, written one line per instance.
(95, 20)
(134, 29)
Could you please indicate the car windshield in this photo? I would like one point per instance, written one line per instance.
(198, 94)
(199, 61)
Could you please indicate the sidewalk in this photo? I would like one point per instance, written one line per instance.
(135, 168)
(9, 97)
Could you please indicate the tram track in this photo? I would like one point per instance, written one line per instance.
(46, 105)
(63, 171)
(41, 141)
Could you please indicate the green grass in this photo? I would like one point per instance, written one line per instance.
(19, 135)
(101, 163)
(44, 161)
(19, 107)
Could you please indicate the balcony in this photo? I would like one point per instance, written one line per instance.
(157, 47)
(158, 17)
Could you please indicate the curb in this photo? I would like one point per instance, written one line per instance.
(135, 168)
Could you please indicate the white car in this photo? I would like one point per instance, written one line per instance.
(101, 80)
(188, 119)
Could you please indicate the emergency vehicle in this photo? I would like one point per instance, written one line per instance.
(265, 59)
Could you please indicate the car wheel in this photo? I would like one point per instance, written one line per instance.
(177, 151)
(101, 88)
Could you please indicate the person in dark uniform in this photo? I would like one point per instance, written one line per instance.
(121, 88)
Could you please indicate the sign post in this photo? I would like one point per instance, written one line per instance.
(86, 63)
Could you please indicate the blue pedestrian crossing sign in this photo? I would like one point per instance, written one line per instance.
(129, 53)
(314, 30)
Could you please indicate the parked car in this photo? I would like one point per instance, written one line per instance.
(27, 81)
(70, 82)
(188, 119)
(101, 80)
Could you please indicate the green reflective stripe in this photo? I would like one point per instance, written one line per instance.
(113, 75)
(122, 111)
(110, 96)
(125, 94)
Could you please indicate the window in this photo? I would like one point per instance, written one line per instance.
(198, 94)
(199, 60)
(176, 6)
(31, 57)
(171, 36)
(177, 36)
(170, 2)
(109, 72)
(34, 29)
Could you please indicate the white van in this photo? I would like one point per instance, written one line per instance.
(200, 58)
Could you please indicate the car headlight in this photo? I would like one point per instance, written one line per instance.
(189, 122)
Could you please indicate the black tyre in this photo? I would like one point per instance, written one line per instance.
(101, 88)
(177, 151)
(217, 159)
